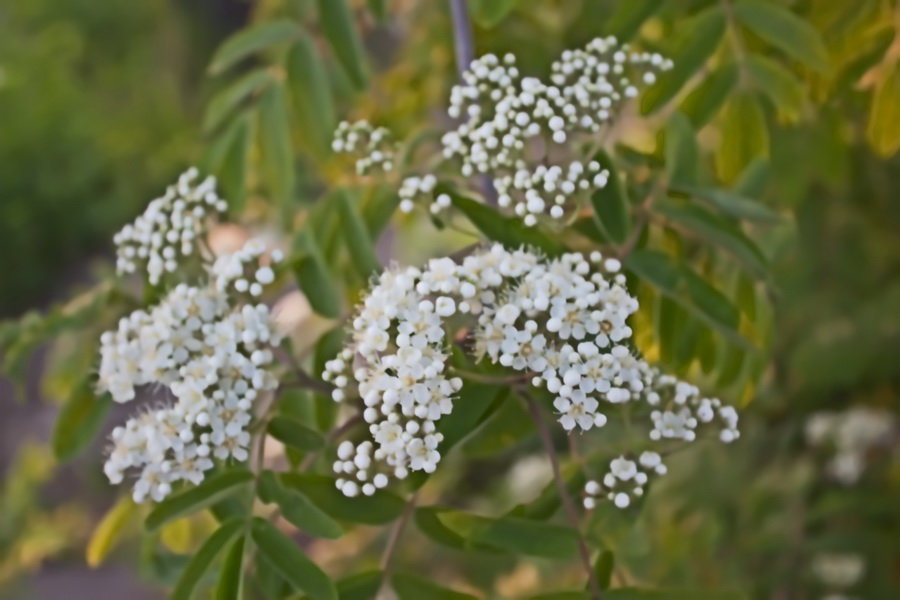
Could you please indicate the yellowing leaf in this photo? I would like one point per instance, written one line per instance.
(743, 136)
(109, 531)
(883, 131)
(176, 535)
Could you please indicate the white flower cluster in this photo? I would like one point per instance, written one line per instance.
(852, 434)
(680, 408)
(839, 570)
(505, 115)
(374, 145)
(414, 187)
(169, 228)
(625, 480)
(547, 186)
(560, 322)
(209, 347)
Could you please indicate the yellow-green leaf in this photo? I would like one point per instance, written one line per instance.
(695, 45)
(883, 131)
(784, 30)
(79, 420)
(780, 85)
(109, 530)
(744, 136)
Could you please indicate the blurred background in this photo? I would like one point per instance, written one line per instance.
(102, 102)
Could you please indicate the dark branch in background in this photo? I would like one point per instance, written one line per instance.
(463, 39)
(568, 504)
(464, 43)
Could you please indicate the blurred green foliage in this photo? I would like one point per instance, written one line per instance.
(791, 104)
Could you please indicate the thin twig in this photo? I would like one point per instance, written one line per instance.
(335, 434)
(568, 504)
(304, 379)
(391, 547)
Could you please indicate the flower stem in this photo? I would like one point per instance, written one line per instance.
(391, 547)
(568, 504)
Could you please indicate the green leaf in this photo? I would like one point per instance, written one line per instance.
(411, 587)
(744, 136)
(883, 131)
(691, 292)
(227, 160)
(681, 149)
(295, 434)
(524, 536)
(752, 182)
(610, 203)
(79, 419)
(379, 10)
(212, 490)
(380, 206)
(337, 24)
(428, 521)
(297, 508)
(227, 100)
(290, 562)
(275, 141)
(719, 232)
(781, 86)
(700, 38)
(311, 94)
(603, 568)
(251, 40)
(711, 301)
(378, 509)
(356, 236)
(509, 231)
(784, 30)
(204, 557)
(475, 402)
(231, 577)
(489, 13)
(704, 101)
(363, 586)
(656, 268)
(628, 17)
(648, 594)
(729, 203)
(313, 277)
(569, 595)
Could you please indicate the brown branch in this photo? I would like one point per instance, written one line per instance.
(463, 39)
(568, 504)
(391, 548)
(335, 434)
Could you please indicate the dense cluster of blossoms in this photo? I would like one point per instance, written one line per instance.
(512, 128)
(561, 322)
(374, 146)
(851, 434)
(169, 229)
(208, 345)
(625, 480)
